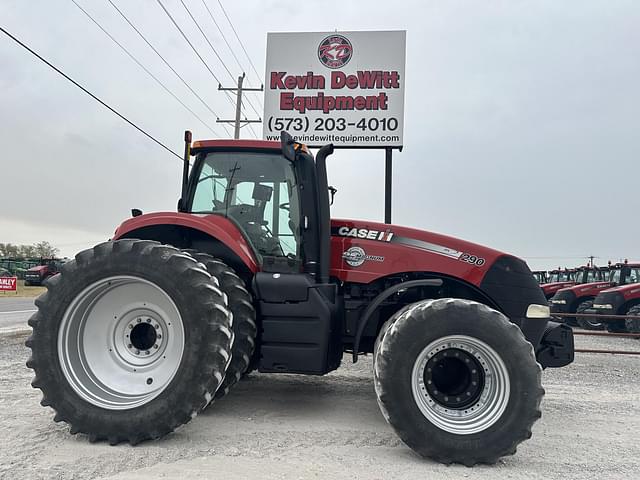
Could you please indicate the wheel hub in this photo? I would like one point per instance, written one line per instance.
(454, 378)
(460, 384)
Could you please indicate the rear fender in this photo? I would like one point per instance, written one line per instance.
(214, 234)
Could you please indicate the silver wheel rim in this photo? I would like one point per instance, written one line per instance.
(120, 342)
(491, 402)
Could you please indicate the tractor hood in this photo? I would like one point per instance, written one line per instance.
(626, 290)
(38, 269)
(363, 251)
(583, 289)
(555, 286)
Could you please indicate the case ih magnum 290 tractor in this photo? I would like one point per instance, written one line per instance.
(623, 299)
(578, 298)
(139, 334)
(557, 279)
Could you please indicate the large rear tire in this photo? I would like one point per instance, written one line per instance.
(588, 323)
(244, 319)
(130, 341)
(633, 322)
(457, 381)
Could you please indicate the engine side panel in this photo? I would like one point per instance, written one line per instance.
(364, 251)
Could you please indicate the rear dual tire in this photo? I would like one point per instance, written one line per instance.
(244, 319)
(457, 381)
(130, 341)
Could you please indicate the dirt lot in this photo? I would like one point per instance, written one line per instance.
(278, 426)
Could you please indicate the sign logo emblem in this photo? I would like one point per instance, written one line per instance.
(335, 51)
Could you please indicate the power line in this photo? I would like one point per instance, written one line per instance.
(223, 35)
(238, 37)
(207, 39)
(155, 50)
(214, 50)
(104, 104)
(192, 47)
(147, 71)
(233, 53)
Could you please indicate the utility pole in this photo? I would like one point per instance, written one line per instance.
(591, 257)
(238, 122)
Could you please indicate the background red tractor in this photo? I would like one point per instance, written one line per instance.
(139, 334)
(557, 279)
(38, 274)
(623, 299)
(579, 298)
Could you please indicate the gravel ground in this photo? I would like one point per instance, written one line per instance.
(290, 426)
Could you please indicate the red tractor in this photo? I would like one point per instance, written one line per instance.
(139, 334)
(623, 299)
(38, 274)
(579, 298)
(557, 279)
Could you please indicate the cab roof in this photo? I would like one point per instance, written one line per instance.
(226, 144)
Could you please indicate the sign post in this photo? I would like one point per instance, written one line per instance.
(345, 88)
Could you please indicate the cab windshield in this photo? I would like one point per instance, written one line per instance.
(258, 191)
(614, 275)
(561, 277)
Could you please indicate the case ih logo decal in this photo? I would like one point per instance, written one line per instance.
(356, 256)
(363, 233)
(389, 236)
(335, 51)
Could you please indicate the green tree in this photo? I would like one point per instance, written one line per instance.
(45, 250)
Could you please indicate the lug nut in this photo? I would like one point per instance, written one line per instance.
(130, 346)
(130, 327)
(137, 352)
(156, 326)
(148, 320)
(159, 336)
(147, 352)
(138, 320)
(155, 346)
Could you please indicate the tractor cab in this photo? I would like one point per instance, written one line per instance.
(540, 276)
(562, 275)
(557, 279)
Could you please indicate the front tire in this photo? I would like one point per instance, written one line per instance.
(588, 323)
(130, 341)
(457, 381)
(633, 324)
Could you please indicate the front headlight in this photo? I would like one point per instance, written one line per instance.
(538, 311)
(559, 302)
(603, 306)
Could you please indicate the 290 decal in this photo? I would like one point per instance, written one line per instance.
(472, 259)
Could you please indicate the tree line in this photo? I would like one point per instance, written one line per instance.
(37, 250)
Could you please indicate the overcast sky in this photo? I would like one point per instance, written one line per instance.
(522, 126)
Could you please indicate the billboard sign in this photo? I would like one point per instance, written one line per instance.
(344, 88)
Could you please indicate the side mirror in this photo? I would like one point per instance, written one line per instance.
(288, 150)
(136, 212)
